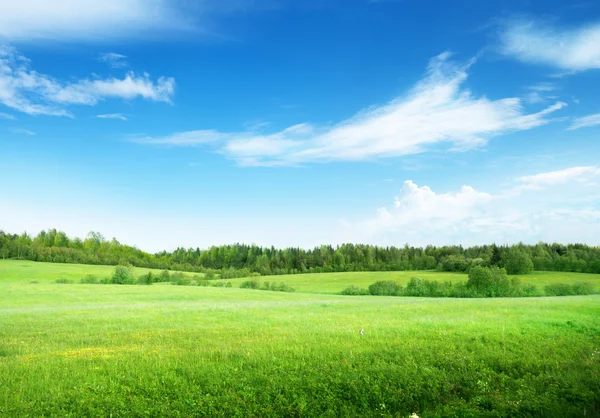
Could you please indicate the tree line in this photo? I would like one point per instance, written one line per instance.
(240, 260)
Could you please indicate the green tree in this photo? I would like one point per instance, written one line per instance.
(517, 261)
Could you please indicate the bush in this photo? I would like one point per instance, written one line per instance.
(64, 281)
(89, 279)
(250, 284)
(147, 278)
(204, 283)
(385, 288)
(489, 281)
(558, 289)
(209, 275)
(164, 276)
(561, 289)
(355, 291)
(180, 279)
(122, 275)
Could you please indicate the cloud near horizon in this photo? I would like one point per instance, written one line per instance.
(438, 111)
(535, 209)
(28, 91)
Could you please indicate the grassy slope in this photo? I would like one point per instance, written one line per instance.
(336, 282)
(27, 271)
(93, 350)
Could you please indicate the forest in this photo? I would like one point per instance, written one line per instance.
(239, 260)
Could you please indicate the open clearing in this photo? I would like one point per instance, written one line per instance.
(97, 350)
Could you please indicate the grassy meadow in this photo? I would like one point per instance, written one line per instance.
(144, 351)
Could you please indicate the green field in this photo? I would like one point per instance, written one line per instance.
(162, 350)
(336, 282)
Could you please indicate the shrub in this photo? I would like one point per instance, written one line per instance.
(489, 281)
(558, 289)
(89, 279)
(122, 275)
(583, 289)
(250, 284)
(218, 284)
(385, 288)
(209, 275)
(204, 283)
(147, 278)
(180, 279)
(64, 281)
(164, 276)
(355, 291)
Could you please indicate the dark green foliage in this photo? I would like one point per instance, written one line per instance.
(517, 261)
(272, 286)
(385, 288)
(489, 281)
(122, 275)
(180, 279)
(90, 279)
(355, 291)
(147, 278)
(243, 260)
(427, 288)
(250, 284)
(64, 281)
(559, 289)
(164, 276)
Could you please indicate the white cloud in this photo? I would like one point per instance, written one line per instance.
(572, 50)
(438, 111)
(553, 209)
(558, 177)
(7, 116)
(112, 116)
(586, 122)
(114, 60)
(32, 20)
(22, 131)
(191, 138)
(31, 92)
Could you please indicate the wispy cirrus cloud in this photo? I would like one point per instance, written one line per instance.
(570, 49)
(585, 122)
(438, 112)
(22, 131)
(114, 60)
(34, 93)
(7, 116)
(118, 116)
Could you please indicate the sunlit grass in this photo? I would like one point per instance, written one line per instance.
(162, 350)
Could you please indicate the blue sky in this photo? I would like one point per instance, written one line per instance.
(171, 123)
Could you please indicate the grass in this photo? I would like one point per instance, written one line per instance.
(334, 283)
(89, 350)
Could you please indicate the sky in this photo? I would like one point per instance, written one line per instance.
(179, 123)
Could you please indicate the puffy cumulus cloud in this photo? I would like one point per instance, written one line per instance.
(438, 112)
(569, 49)
(28, 91)
(556, 206)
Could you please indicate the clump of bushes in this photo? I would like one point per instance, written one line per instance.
(208, 283)
(272, 286)
(180, 279)
(64, 281)
(385, 288)
(560, 289)
(250, 284)
(147, 278)
(355, 291)
(122, 275)
(90, 279)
